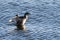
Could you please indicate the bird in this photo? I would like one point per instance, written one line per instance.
(21, 20)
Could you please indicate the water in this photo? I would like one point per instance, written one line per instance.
(43, 23)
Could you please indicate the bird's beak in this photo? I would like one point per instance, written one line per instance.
(29, 14)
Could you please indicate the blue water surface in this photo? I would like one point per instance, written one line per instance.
(43, 22)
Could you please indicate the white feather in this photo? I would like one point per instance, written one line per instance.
(24, 20)
(10, 20)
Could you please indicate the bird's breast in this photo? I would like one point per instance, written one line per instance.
(24, 20)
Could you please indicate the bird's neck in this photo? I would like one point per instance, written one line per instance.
(26, 16)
